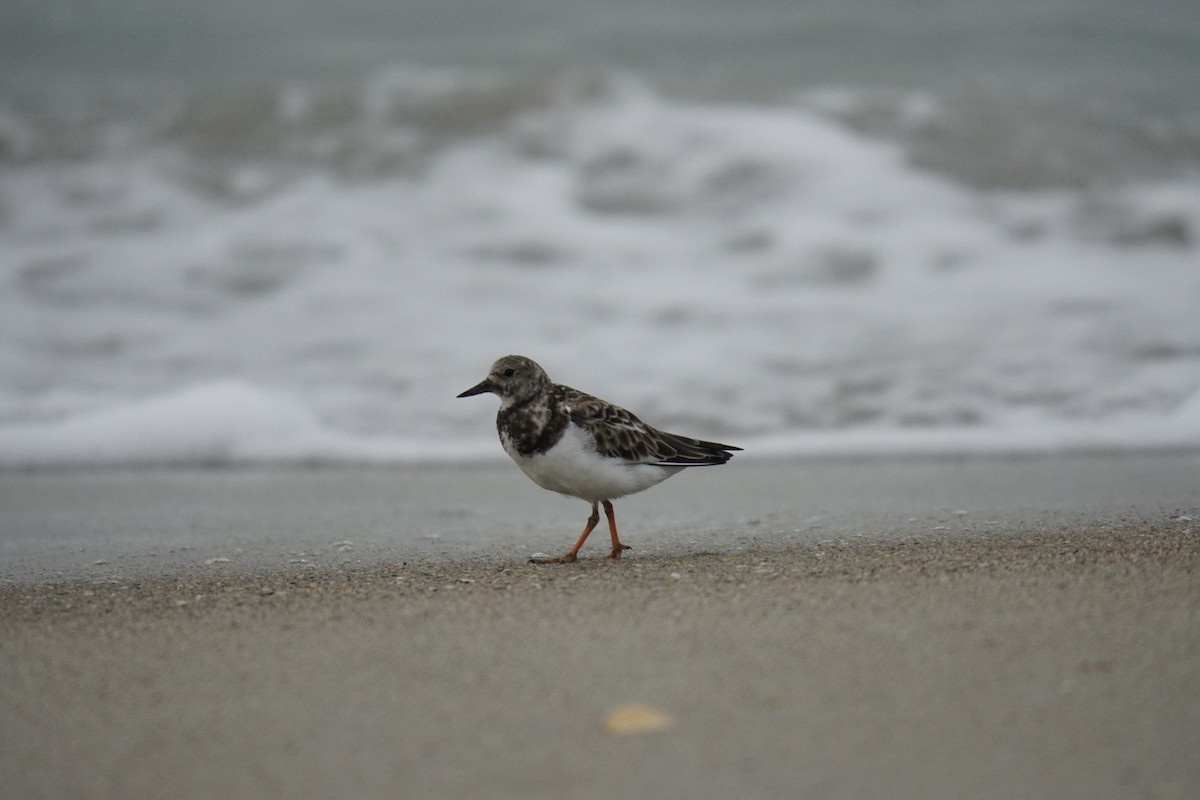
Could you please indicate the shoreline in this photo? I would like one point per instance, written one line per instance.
(140, 525)
(965, 631)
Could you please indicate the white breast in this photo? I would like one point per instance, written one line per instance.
(573, 467)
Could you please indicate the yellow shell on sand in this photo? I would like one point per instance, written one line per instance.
(636, 718)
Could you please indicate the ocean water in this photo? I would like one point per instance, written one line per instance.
(284, 231)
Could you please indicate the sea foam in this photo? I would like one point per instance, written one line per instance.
(759, 274)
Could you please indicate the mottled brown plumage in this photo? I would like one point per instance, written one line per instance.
(620, 434)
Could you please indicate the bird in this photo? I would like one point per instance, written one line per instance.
(580, 446)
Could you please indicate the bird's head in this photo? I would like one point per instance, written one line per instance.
(513, 379)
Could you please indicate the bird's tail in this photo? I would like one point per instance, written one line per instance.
(690, 452)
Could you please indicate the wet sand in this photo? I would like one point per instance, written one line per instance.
(965, 630)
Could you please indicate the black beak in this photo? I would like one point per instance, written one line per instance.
(483, 386)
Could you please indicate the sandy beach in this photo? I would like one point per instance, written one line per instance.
(930, 267)
(989, 628)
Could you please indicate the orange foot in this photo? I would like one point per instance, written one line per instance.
(617, 548)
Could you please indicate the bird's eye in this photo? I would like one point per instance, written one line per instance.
(508, 373)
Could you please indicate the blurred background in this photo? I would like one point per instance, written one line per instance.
(293, 230)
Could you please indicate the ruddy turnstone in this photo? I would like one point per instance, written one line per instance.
(578, 445)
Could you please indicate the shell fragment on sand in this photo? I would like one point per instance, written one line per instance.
(637, 718)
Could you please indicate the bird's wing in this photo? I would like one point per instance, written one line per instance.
(620, 434)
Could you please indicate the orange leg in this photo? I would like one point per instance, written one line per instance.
(570, 555)
(612, 530)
